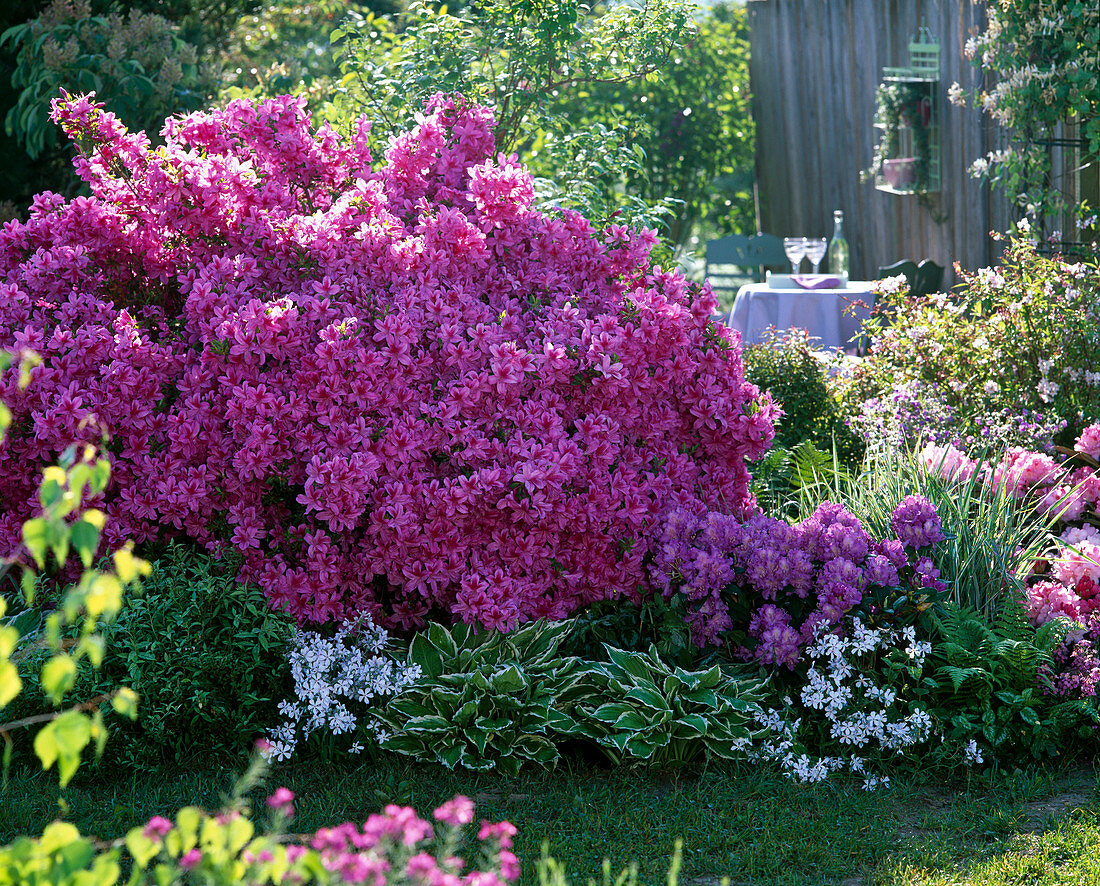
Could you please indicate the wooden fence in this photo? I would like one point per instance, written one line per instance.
(814, 67)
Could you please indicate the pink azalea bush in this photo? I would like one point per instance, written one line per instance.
(778, 583)
(398, 390)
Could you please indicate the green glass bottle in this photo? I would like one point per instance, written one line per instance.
(838, 246)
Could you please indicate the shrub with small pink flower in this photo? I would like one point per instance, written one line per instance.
(773, 584)
(394, 846)
(395, 390)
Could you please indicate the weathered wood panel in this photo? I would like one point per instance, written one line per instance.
(814, 68)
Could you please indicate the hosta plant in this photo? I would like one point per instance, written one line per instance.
(641, 710)
(486, 700)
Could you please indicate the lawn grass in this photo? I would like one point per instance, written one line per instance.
(748, 825)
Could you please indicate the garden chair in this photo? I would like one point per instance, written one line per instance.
(735, 260)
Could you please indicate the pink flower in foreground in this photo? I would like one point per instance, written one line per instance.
(457, 812)
(190, 859)
(282, 801)
(157, 827)
(1089, 441)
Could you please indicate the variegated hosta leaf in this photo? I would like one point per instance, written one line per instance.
(648, 712)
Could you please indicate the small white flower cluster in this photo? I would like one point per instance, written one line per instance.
(1046, 388)
(329, 674)
(991, 277)
(893, 285)
(860, 714)
(972, 754)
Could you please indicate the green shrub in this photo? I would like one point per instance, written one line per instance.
(640, 710)
(490, 700)
(206, 656)
(785, 365)
(487, 700)
(137, 64)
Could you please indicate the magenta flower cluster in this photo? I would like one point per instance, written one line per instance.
(368, 854)
(1075, 670)
(397, 390)
(787, 580)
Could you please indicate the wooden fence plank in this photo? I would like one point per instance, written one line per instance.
(814, 68)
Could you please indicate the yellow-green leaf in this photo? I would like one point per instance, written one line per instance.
(99, 732)
(141, 848)
(9, 636)
(129, 567)
(125, 702)
(187, 824)
(58, 677)
(34, 538)
(10, 684)
(63, 740)
(104, 595)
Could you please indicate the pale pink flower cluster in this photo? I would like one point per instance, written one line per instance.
(1071, 492)
(398, 390)
(1065, 490)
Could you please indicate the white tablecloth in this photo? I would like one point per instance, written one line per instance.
(821, 312)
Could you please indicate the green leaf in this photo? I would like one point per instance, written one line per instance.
(58, 676)
(630, 721)
(609, 713)
(452, 756)
(640, 748)
(85, 538)
(63, 740)
(424, 653)
(429, 724)
(511, 679)
(648, 697)
(35, 533)
(631, 662)
(442, 640)
(690, 726)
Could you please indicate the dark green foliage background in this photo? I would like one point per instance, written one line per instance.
(204, 653)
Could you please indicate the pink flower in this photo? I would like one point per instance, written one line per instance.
(1089, 441)
(190, 859)
(282, 801)
(456, 812)
(157, 827)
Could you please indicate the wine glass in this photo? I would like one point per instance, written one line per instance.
(815, 250)
(795, 247)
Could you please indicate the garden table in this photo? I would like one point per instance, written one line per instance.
(826, 314)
